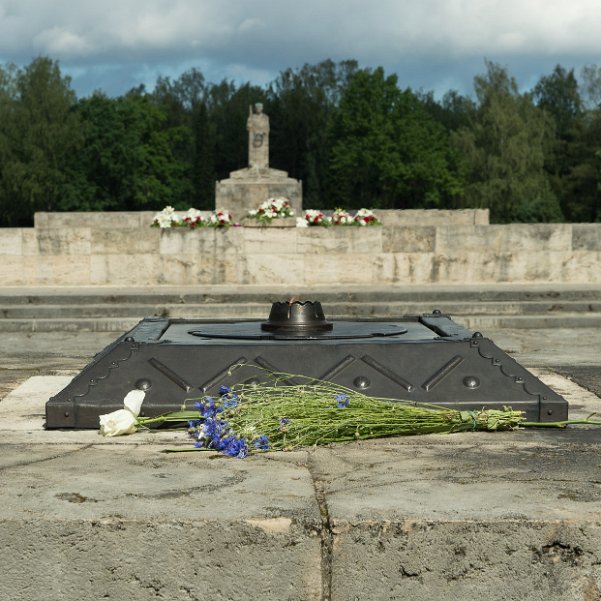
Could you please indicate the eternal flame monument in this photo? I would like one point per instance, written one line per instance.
(247, 188)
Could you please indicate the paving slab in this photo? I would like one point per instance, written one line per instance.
(503, 516)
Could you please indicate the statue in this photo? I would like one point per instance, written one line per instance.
(247, 188)
(258, 138)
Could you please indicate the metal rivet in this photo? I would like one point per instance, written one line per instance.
(549, 411)
(477, 335)
(471, 382)
(66, 414)
(252, 382)
(143, 384)
(436, 312)
(362, 382)
(128, 339)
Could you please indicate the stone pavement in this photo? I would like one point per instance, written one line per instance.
(504, 516)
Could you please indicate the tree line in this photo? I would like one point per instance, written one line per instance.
(353, 135)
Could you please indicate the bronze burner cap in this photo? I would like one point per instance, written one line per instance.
(297, 316)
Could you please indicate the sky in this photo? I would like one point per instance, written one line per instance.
(432, 45)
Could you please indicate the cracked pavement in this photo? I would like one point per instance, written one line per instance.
(509, 515)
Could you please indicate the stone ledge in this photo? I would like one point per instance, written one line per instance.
(495, 516)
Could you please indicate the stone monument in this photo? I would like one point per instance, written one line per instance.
(246, 189)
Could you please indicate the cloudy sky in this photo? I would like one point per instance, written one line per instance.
(435, 45)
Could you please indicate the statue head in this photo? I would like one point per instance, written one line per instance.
(258, 107)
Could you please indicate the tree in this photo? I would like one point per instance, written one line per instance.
(301, 103)
(571, 161)
(227, 108)
(388, 151)
(591, 86)
(185, 104)
(39, 132)
(504, 151)
(128, 160)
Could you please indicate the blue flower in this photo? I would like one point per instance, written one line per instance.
(231, 401)
(208, 409)
(212, 431)
(284, 421)
(223, 390)
(236, 447)
(261, 443)
(342, 401)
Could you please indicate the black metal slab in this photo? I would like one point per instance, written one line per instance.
(428, 358)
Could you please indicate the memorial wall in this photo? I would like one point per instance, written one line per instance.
(409, 248)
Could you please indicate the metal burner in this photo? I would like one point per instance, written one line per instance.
(428, 358)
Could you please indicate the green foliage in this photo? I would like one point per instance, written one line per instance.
(387, 151)
(351, 135)
(301, 103)
(571, 161)
(39, 132)
(504, 152)
(128, 162)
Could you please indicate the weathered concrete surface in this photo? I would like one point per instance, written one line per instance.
(84, 521)
(499, 516)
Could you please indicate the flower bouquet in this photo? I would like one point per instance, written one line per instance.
(362, 217)
(273, 208)
(220, 218)
(277, 415)
(342, 217)
(365, 217)
(313, 217)
(192, 219)
(166, 218)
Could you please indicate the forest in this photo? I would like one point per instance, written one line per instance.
(354, 136)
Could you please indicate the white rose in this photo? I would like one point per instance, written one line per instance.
(133, 401)
(123, 421)
(118, 422)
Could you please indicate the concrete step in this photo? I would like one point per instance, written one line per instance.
(250, 294)
(335, 310)
(119, 309)
(472, 322)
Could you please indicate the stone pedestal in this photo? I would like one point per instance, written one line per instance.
(246, 189)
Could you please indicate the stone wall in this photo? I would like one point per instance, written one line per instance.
(82, 249)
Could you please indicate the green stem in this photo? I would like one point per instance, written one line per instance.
(562, 424)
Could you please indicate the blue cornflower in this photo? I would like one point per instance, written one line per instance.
(223, 390)
(212, 431)
(236, 447)
(208, 409)
(231, 401)
(261, 443)
(284, 421)
(342, 401)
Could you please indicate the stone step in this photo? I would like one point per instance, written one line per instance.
(259, 310)
(472, 322)
(119, 309)
(249, 294)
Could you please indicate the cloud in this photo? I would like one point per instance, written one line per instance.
(265, 36)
